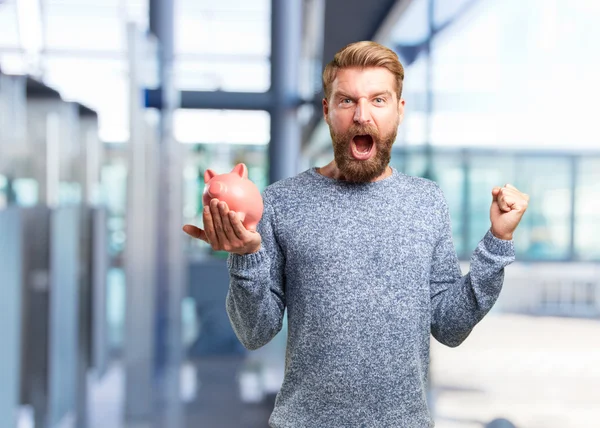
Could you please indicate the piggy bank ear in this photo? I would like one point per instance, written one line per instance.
(208, 175)
(241, 170)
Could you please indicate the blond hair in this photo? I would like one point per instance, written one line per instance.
(363, 54)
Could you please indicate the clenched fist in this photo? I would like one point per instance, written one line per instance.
(508, 206)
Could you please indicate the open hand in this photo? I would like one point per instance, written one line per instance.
(508, 206)
(224, 230)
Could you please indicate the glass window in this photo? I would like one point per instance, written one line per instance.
(485, 172)
(90, 26)
(544, 230)
(413, 130)
(9, 36)
(587, 210)
(445, 11)
(449, 174)
(114, 196)
(411, 162)
(223, 45)
(210, 29)
(3, 192)
(232, 74)
(71, 76)
(412, 27)
(491, 87)
(222, 126)
(116, 303)
(26, 191)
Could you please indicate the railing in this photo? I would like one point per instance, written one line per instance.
(552, 289)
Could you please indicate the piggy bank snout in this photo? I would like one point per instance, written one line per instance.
(216, 189)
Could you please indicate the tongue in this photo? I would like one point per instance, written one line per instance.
(363, 143)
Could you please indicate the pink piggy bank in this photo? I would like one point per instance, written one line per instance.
(235, 189)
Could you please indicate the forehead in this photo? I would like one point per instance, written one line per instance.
(364, 81)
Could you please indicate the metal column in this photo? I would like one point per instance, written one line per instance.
(140, 300)
(286, 44)
(429, 167)
(170, 257)
(574, 168)
(11, 266)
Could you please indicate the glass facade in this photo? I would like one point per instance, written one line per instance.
(561, 223)
(587, 209)
(215, 40)
(486, 107)
(546, 233)
(531, 87)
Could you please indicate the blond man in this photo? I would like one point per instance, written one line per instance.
(362, 257)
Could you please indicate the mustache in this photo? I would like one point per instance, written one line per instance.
(362, 130)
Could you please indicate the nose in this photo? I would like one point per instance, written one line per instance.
(216, 189)
(362, 114)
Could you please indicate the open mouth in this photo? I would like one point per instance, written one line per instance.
(362, 147)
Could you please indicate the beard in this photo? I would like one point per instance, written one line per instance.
(361, 171)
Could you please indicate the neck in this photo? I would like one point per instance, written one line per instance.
(332, 171)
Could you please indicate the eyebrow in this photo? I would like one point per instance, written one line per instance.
(388, 93)
(341, 94)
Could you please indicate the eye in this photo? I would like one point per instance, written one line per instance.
(346, 101)
(379, 100)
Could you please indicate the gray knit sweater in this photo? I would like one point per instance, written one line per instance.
(367, 272)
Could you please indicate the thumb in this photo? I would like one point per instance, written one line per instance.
(195, 232)
(495, 191)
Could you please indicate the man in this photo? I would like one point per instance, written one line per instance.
(362, 257)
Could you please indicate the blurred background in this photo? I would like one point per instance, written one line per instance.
(110, 111)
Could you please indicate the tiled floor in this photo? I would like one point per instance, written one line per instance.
(218, 403)
(535, 372)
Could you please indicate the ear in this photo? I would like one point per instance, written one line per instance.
(241, 170)
(208, 174)
(326, 110)
(401, 104)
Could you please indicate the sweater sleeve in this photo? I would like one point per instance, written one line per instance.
(255, 302)
(459, 302)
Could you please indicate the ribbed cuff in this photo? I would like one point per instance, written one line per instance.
(498, 246)
(247, 261)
